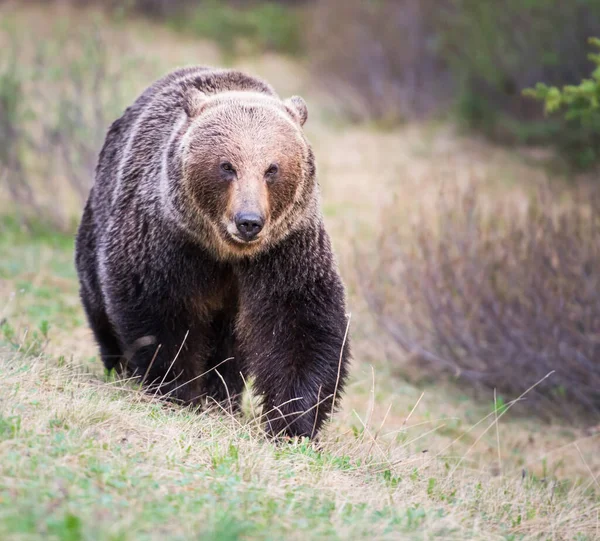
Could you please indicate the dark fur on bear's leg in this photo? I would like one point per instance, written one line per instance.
(110, 349)
(194, 367)
(224, 381)
(296, 348)
(91, 295)
(168, 353)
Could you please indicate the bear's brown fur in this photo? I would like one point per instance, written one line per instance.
(202, 254)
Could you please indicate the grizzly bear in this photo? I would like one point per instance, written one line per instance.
(202, 256)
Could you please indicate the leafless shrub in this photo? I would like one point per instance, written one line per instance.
(379, 58)
(58, 95)
(498, 294)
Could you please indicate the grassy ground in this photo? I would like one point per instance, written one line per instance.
(84, 457)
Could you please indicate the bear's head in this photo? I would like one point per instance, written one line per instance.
(247, 170)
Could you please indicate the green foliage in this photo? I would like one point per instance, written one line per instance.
(262, 26)
(66, 528)
(500, 406)
(495, 51)
(581, 106)
(9, 427)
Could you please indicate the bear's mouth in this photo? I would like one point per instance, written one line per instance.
(239, 240)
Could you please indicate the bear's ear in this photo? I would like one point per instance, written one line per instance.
(297, 108)
(193, 102)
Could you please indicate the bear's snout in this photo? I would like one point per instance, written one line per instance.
(249, 225)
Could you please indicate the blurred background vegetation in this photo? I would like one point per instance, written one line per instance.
(496, 295)
(399, 59)
(393, 60)
(385, 61)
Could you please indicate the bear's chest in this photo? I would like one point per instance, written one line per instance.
(218, 294)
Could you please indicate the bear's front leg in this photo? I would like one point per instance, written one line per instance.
(166, 352)
(293, 334)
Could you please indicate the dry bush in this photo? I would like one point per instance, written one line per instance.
(378, 58)
(498, 293)
(58, 95)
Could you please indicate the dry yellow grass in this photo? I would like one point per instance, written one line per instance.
(400, 460)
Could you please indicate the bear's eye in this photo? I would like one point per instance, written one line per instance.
(227, 168)
(272, 170)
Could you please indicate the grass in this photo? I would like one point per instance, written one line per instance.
(86, 457)
(83, 456)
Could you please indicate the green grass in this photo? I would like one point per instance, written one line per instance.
(84, 457)
(40, 285)
(86, 460)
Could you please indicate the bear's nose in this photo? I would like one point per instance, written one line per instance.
(249, 225)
